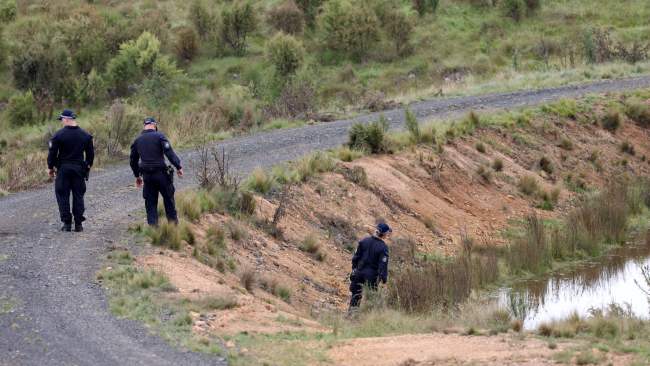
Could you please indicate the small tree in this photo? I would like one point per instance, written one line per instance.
(399, 27)
(349, 28)
(21, 109)
(202, 19)
(237, 23)
(515, 9)
(425, 6)
(187, 44)
(287, 17)
(134, 61)
(310, 9)
(8, 11)
(285, 53)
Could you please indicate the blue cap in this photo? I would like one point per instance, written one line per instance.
(150, 121)
(383, 228)
(67, 114)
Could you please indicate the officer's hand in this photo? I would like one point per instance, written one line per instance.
(138, 182)
(51, 173)
(180, 172)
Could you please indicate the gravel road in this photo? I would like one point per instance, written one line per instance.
(51, 310)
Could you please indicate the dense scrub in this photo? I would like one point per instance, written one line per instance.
(208, 68)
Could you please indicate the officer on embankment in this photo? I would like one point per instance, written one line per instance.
(149, 168)
(369, 264)
(70, 157)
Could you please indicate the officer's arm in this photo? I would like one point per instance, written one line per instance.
(90, 152)
(53, 153)
(170, 154)
(134, 160)
(383, 266)
(357, 255)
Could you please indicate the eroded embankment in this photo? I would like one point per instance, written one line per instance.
(474, 185)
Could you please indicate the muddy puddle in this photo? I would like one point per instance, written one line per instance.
(615, 279)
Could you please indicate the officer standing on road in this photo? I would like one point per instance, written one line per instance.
(148, 164)
(72, 153)
(369, 264)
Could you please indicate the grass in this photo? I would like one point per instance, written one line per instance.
(147, 296)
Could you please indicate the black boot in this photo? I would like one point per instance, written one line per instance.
(78, 227)
(66, 227)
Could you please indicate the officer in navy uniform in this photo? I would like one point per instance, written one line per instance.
(369, 264)
(148, 164)
(70, 157)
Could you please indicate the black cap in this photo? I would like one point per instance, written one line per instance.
(67, 114)
(150, 121)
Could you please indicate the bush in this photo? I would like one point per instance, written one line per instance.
(611, 121)
(528, 185)
(42, 64)
(204, 22)
(349, 28)
(310, 9)
(238, 21)
(287, 17)
(515, 9)
(480, 147)
(369, 137)
(413, 126)
(285, 53)
(316, 163)
(8, 11)
(533, 5)
(639, 113)
(248, 278)
(21, 109)
(399, 27)
(134, 61)
(259, 181)
(628, 148)
(425, 6)
(546, 165)
(497, 165)
(485, 173)
(187, 44)
(566, 144)
(165, 235)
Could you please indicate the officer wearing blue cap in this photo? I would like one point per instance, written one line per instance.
(70, 157)
(149, 168)
(369, 263)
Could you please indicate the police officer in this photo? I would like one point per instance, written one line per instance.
(148, 164)
(72, 153)
(369, 264)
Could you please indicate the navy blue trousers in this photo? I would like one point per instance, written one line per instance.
(155, 183)
(70, 180)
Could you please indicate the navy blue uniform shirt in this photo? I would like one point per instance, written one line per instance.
(371, 259)
(68, 146)
(149, 150)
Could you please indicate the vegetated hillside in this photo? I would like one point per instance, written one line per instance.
(284, 264)
(207, 68)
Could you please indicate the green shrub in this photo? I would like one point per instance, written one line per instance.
(284, 293)
(287, 17)
(187, 44)
(310, 244)
(566, 144)
(346, 154)
(349, 28)
(21, 109)
(399, 28)
(485, 173)
(8, 11)
(533, 5)
(316, 163)
(203, 20)
(285, 53)
(639, 113)
(515, 9)
(497, 165)
(611, 121)
(480, 147)
(369, 137)
(413, 126)
(310, 9)
(238, 21)
(425, 6)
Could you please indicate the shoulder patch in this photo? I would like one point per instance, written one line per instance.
(167, 146)
(49, 144)
(384, 259)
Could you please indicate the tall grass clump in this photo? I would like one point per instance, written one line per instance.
(611, 121)
(166, 234)
(529, 252)
(413, 127)
(639, 113)
(370, 137)
(260, 181)
(316, 163)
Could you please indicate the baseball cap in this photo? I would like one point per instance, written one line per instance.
(150, 121)
(383, 228)
(67, 114)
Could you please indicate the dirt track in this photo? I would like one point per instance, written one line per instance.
(51, 310)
